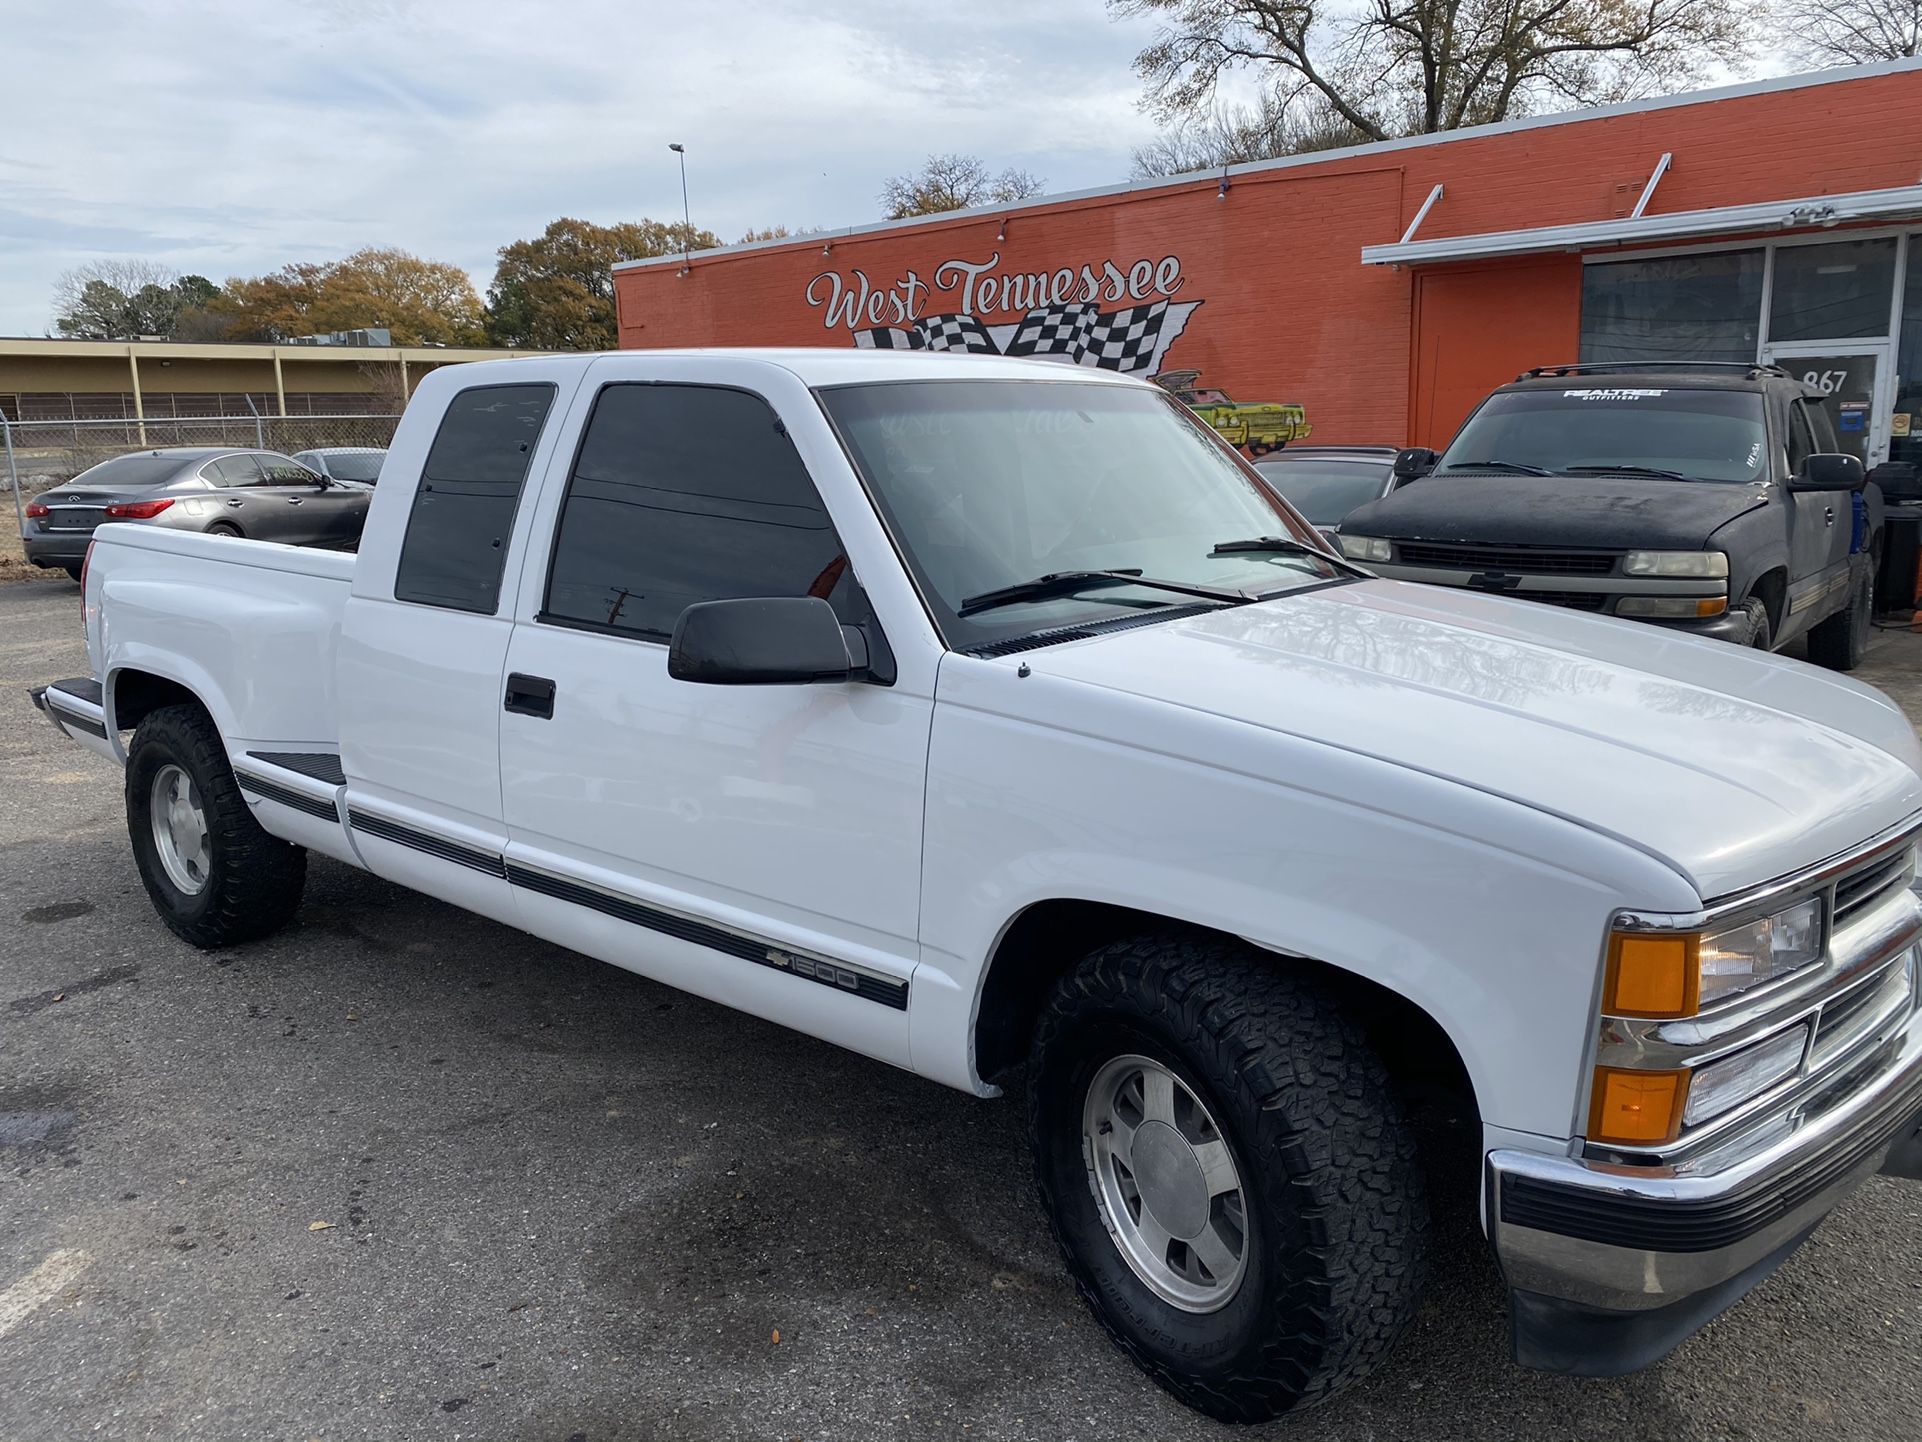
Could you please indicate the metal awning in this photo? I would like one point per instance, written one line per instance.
(1897, 203)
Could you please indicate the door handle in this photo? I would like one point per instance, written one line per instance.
(234, 503)
(1828, 515)
(294, 500)
(530, 696)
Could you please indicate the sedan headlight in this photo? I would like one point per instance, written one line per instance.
(1365, 548)
(1674, 974)
(1700, 565)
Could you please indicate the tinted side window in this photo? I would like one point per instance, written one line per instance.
(238, 471)
(684, 494)
(456, 537)
(284, 472)
(1801, 443)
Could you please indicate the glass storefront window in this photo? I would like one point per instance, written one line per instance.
(1831, 292)
(1677, 308)
(1908, 365)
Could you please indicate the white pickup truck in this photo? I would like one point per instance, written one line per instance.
(974, 713)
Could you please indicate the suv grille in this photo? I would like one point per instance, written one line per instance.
(1864, 888)
(1530, 560)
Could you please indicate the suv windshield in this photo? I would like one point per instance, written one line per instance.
(126, 472)
(994, 484)
(1698, 435)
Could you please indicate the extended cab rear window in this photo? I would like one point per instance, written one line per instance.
(456, 539)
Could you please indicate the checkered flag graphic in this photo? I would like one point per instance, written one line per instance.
(1127, 340)
(1055, 330)
(955, 332)
(886, 337)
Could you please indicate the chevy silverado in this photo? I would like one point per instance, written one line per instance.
(976, 714)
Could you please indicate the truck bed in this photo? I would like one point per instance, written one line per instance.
(248, 626)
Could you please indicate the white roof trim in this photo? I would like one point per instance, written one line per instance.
(1803, 214)
(1773, 85)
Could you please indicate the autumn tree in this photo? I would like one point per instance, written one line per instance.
(953, 182)
(422, 302)
(1414, 67)
(556, 291)
(1851, 32)
(118, 299)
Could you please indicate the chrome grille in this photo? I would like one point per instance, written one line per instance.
(1860, 1011)
(1862, 889)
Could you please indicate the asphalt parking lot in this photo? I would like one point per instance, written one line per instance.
(401, 1172)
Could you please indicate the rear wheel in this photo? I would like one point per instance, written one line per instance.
(221, 528)
(213, 874)
(1840, 641)
(1227, 1171)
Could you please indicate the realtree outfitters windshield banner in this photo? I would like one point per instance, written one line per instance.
(1116, 318)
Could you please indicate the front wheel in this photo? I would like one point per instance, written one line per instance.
(1228, 1173)
(1840, 641)
(215, 877)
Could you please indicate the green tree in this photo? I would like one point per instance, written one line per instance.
(1414, 67)
(556, 290)
(121, 299)
(953, 182)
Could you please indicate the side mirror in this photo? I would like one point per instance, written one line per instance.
(760, 641)
(1414, 463)
(1830, 471)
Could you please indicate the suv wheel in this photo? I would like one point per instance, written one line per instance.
(1227, 1171)
(213, 874)
(1760, 634)
(1839, 642)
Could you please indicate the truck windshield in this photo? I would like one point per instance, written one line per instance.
(988, 485)
(124, 473)
(1700, 435)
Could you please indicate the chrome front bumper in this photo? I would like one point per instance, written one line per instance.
(1610, 1266)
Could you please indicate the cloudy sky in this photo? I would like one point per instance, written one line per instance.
(230, 138)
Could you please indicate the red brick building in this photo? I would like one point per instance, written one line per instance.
(1387, 287)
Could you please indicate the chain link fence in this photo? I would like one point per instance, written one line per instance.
(45, 453)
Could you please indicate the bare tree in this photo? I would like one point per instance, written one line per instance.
(953, 182)
(1407, 67)
(1851, 32)
(111, 299)
(1239, 134)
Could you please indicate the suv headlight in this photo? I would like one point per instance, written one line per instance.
(1700, 565)
(1676, 974)
(1365, 548)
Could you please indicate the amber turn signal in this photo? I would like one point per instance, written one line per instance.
(1652, 976)
(1636, 1108)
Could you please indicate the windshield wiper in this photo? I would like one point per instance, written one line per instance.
(1066, 583)
(1628, 471)
(1289, 546)
(1516, 466)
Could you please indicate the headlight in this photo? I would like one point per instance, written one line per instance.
(1671, 607)
(1365, 548)
(1702, 565)
(1674, 974)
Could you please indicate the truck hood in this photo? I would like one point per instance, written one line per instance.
(1610, 512)
(1733, 766)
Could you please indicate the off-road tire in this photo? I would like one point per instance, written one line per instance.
(1838, 642)
(254, 880)
(1760, 634)
(1336, 1209)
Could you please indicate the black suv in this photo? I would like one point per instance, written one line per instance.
(1712, 499)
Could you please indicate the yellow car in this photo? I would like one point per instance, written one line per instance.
(1254, 426)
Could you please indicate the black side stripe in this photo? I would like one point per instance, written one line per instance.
(268, 791)
(78, 722)
(315, 765)
(440, 846)
(814, 968)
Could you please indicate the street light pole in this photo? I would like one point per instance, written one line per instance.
(687, 220)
